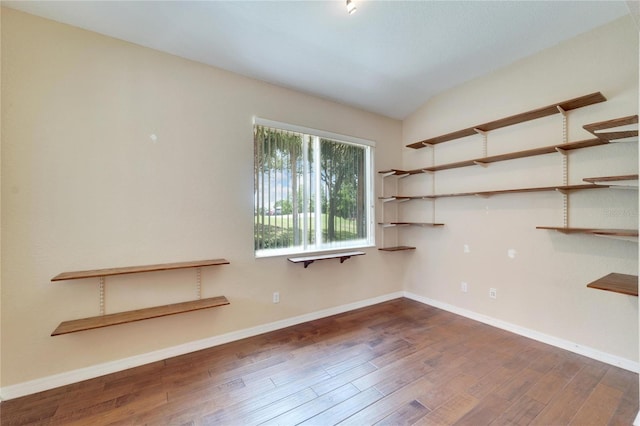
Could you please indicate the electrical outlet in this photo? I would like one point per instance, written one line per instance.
(464, 287)
(493, 293)
(276, 297)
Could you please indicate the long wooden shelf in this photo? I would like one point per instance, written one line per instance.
(596, 128)
(593, 231)
(426, 224)
(555, 108)
(137, 269)
(618, 283)
(560, 188)
(74, 326)
(397, 248)
(308, 260)
(483, 161)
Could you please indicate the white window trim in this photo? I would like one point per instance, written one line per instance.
(364, 243)
(310, 131)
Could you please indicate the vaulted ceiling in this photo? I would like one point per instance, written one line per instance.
(389, 57)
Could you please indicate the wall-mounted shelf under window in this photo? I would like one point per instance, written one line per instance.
(308, 260)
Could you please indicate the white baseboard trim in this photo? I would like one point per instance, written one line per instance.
(532, 334)
(66, 378)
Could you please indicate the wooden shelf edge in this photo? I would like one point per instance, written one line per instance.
(570, 146)
(561, 188)
(410, 224)
(308, 260)
(91, 323)
(568, 105)
(396, 248)
(74, 275)
(611, 178)
(618, 283)
(593, 231)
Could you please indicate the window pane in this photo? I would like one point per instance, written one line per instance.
(278, 189)
(311, 193)
(343, 178)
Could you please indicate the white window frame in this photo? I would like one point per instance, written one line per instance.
(316, 135)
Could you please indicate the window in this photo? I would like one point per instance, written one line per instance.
(313, 190)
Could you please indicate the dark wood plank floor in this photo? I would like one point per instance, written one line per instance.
(397, 363)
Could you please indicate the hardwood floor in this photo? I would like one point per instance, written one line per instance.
(396, 363)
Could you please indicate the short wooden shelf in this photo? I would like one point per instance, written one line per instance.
(397, 248)
(426, 224)
(622, 181)
(308, 260)
(596, 129)
(555, 108)
(137, 269)
(593, 231)
(618, 283)
(137, 315)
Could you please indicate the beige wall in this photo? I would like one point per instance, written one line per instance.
(84, 187)
(543, 287)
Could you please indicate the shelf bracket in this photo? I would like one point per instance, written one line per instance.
(565, 165)
(198, 283)
(562, 151)
(428, 145)
(561, 110)
(484, 134)
(481, 164)
(101, 297)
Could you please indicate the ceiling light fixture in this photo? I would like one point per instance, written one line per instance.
(351, 7)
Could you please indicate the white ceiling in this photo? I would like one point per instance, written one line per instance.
(389, 57)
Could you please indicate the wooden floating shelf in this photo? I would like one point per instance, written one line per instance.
(429, 224)
(593, 231)
(555, 108)
(618, 283)
(137, 315)
(137, 269)
(393, 172)
(394, 198)
(512, 155)
(397, 248)
(614, 135)
(623, 181)
(308, 260)
(561, 188)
